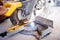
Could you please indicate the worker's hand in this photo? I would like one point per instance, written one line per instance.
(2, 12)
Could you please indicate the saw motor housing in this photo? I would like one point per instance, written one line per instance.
(7, 8)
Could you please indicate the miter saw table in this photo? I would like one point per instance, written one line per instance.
(39, 28)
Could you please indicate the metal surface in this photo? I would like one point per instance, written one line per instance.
(27, 8)
(40, 4)
(24, 13)
(44, 21)
(34, 29)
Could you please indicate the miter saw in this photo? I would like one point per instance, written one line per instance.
(19, 13)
